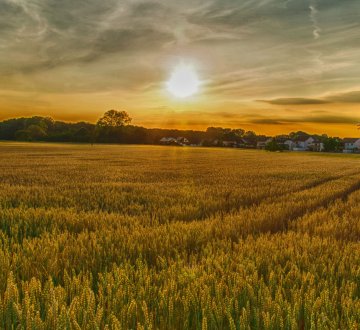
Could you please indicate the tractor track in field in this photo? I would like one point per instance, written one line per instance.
(343, 196)
(316, 183)
(283, 222)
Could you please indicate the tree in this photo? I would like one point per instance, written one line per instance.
(238, 132)
(33, 132)
(332, 144)
(298, 134)
(114, 118)
(274, 146)
(215, 132)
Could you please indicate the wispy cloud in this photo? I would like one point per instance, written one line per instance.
(295, 101)
(324, 119)
(32, 10)
(347, 97)
(314, 19)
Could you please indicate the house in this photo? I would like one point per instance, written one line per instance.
(302, 143)
(247, 143)
(262, 142)
(183, 141)
(180, 141)
(316, 145)
(290, 144)
(168, 140)
(231, 144)
(351, 144)
(283, 142)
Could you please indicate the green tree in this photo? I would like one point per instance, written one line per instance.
(332, 144)
(32, 133)
(273, 146)
(36, 132)
(114, 118)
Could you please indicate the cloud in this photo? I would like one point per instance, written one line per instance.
(295, 101)
(49, 34)
(348, 97)
(141, 39)
(268, 121)
(324, 119)
(313, 17)
(218, 15)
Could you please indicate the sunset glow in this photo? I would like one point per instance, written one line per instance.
(269, 66)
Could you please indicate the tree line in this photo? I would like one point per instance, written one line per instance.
(115, 127)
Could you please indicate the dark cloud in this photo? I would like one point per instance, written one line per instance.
(295, 101)
(324, 119)
(330, 120)
(268, 121)
(142, 39)
(8, 11)
(53, 33)
(350, 97)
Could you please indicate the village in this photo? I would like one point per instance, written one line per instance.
(303, 142)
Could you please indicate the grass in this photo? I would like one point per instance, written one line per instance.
(140, 237)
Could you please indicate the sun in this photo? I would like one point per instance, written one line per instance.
(183, 82)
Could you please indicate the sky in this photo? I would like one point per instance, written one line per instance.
(272, 66)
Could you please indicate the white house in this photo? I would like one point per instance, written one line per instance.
(290, 143)
(182, 140)
(261, 144)
(316, 145)
(168, 140)
(351, 144)
(303, 143)
(173, 141)
(231, 144)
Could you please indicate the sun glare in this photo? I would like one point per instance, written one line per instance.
(183, 82)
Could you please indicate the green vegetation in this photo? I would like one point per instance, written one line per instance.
(274, 146)
(114, 127)
(136, 237)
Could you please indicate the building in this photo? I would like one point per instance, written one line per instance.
(262, 142)
(168, 140)
(180, 141)
(231, 144)
(247, 143)
(290, 144)
(183, 141)
(351, 144)
(302, 143)
(316, 145)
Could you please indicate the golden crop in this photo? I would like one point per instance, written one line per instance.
(139, 237)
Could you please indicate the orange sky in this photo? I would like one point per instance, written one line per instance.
(268, 66)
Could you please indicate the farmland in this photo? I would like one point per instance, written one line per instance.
(139, 237)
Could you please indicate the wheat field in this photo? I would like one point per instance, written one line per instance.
(140, 237)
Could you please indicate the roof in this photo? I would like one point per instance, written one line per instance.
(243, 140)
(350, 140)
(316, 140)
(263, 138)
(281, 139)
(167, 139)
(302, 138)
